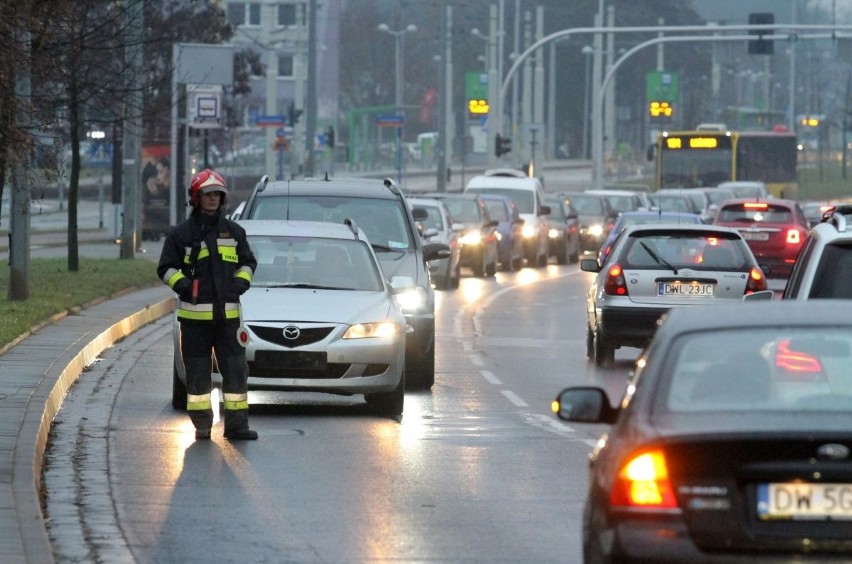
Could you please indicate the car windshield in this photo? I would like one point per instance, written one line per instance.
(587, 205)
(799, 369)
(663, 250)
(623, 203)
(671, 203)
(433, 218)
(756, 212)
(524, 199)
(314, 262)
(384, 220)
(719, 196)
(557, 211)
(497, 210)
(466, 211)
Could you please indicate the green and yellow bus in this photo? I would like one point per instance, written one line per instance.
(706, 158)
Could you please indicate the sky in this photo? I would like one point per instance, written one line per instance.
(737, 11)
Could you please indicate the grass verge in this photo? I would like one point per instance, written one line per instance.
(54, 290)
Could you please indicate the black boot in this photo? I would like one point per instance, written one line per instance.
(241, 435)
(202, 434)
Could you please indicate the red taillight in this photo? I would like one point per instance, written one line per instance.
(794, 237)
(755, 206)
(800, 365)
(644, 482)
(756, 281)
(615, 284)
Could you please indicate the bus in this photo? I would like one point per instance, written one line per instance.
(691, 159)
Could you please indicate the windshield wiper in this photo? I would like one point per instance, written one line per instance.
(302, 285)
(385, 249)
(657, 258)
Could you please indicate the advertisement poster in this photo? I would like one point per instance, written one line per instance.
(155, 191)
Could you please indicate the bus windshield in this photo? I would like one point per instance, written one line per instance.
(693, 169)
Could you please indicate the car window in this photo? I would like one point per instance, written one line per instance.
(433, 218)
(671, 203)
(335, 263)
(383, 220)
(768, 214)
(833, 273)
(796, 369)
(466, 211)
(588, 205)
(623, 203)
(497, 210)
(524, 199)
(662, 250)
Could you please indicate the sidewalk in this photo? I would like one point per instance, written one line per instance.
(35, 374)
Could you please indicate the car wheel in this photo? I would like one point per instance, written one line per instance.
(178, 392)
(444, 281)
(575, 256)
(562, 254)
(456, 277)
(421, 374)
(389, 404)
(479, 264)
(604, 350)
(518, 263)
(590, 342)
(542, 259)
(491, 269)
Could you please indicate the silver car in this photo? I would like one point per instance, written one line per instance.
(319, 316)
(653, 268)
(439, 227)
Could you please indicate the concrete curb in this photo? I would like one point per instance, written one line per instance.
(102, 326)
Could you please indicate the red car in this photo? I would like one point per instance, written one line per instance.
(774, 230)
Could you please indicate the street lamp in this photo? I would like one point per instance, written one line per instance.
(587, 51)
(397, 35)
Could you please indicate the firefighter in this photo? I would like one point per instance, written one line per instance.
(208, 263)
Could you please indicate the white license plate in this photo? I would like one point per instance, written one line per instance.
(755, 235)
(804, 501)
(686, 289)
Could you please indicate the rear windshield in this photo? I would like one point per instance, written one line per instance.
(385, 221)
(762, 369)
(694, 250)
(755, 212)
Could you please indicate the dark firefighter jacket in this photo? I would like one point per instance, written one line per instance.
(207, 261)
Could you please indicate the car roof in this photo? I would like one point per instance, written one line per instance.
(334, 186)
(666, 214)
(758, 313)
(506, 182)
(298, 228)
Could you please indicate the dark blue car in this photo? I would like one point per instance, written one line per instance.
(510, 246)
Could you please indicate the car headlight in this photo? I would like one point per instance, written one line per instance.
(471, 238)
(412, 299)
(596, 230)
(368, 330)
(553, 233)
(528, 231)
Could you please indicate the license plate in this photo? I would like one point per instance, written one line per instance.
(686, 289)
(295, 360)
(755, 235)
(804, 501)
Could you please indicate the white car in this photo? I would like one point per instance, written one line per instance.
(319, 316)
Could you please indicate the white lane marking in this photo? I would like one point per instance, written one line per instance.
(514, 398)
(491, 378)
(548, 423)
(467, 346)
(477, 360)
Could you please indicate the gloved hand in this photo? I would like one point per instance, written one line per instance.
(237, 289)
(183, 288)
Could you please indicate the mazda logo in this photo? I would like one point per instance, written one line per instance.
(833, 451)
(291, 332)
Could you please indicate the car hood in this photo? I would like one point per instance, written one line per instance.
(402, 264)
(305, 304)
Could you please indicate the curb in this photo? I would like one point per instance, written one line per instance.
(46, 399)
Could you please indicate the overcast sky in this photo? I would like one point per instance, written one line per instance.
(737, 11)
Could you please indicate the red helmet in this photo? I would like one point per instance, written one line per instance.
(203, 182)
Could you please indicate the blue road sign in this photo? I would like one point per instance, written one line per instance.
(389, 120)
(271, 121)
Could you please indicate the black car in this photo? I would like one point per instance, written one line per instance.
(596, 217)
(380, 209)
(563, 238)
(731, 443)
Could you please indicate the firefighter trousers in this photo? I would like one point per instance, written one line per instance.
(199, 341)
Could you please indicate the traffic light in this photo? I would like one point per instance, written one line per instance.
(329, 136)
(760, 46)
(502, 145)
(293, 115)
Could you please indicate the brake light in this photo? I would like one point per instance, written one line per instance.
(802, 365)
(756, 281)
(794, 237)
(755, 206)
(644, 482)
(615, 284)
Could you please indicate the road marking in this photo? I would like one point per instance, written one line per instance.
(477, 360)
(491, 378)
(513, 397)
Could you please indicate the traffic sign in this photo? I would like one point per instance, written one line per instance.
(389, 120)
(271, 121)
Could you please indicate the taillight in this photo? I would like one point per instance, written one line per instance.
(799, 365)
(615, 284)
(756, 281)
(794, 236)
(644, 482)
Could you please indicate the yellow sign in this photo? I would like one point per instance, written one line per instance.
(477, 106)
(703, 143)
(658, 109)
(674, 143)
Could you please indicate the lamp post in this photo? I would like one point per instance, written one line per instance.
(587, 51)
(397, 35)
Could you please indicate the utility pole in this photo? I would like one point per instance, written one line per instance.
(19, 205)
(130, 195)
(311, 107)
(444, 100)
(268, 21)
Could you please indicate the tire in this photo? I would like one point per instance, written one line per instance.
(420, 375)
(590, 343)
(178, 392)
(542, 260)
(479, 264)
(604, 350)
(575, 257)
(443, 282)
(518, 263)
(388, 404)
(456, 280)
(491, 269)
(562, 254)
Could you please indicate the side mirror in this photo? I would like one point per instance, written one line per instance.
(584, 405)
(759, 296)
(651, 152)
(433, 251)
(590, 265)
